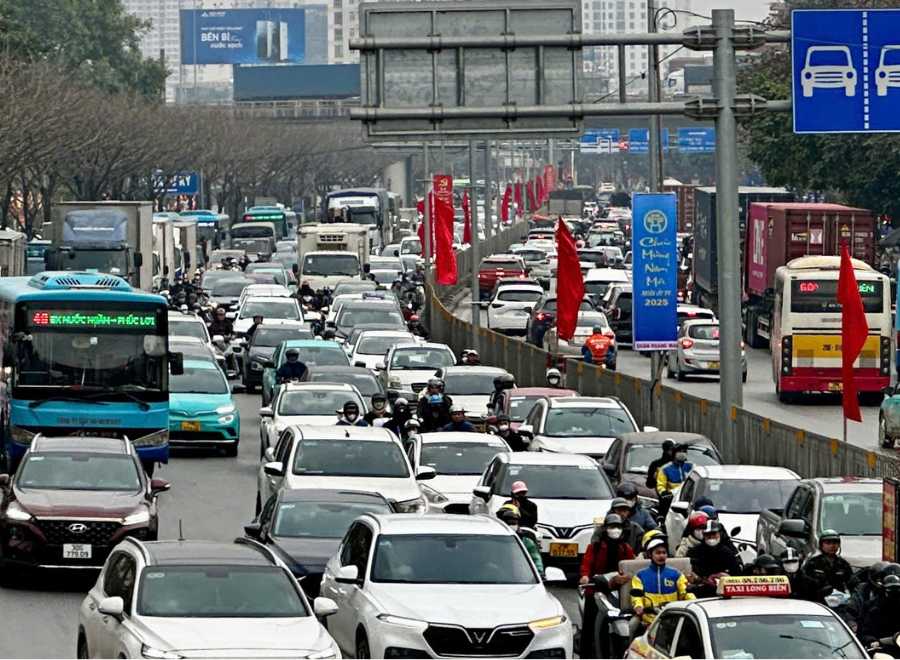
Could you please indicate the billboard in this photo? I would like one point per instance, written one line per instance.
(243, 36)
(654, 272)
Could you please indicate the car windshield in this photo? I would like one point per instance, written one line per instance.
(244, 592)
(463, 384)
(350, 458)
(411, 247)
(379, 345)
(205, 379)
(385, 276)
(890, 56)
(353, 287)
(366, 383)
(639, 457)
(596, 287)
(587, 422)
(252, 231)
(331, 264)
(229, 288)
(459, 458)
(781, 636)
(704, 332)
(273, 336)
(520, 406)
(328, 354)
(519, 295)
(315, 402)
(421, 358)
(210, 277)
(271, 309)
(451, 559)
(853, 514)
(321, 520)
(746, 495)
(350, 316)
(558, 482)
(182, 328)
(79, 471)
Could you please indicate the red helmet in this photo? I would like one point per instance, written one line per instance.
(697, 520)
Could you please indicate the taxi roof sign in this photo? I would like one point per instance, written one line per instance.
(754, 585)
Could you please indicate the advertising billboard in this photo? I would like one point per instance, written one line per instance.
(243, 36)
(654, 272)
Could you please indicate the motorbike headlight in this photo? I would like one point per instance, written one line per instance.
(158, 654)
(418, 505)
(137, 517)
(225, 410)
(15, 512)
(157, 439)
(21, 436)
(549, 622)
(433, 496)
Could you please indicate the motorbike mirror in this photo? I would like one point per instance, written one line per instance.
(735, 531)
(601, 583)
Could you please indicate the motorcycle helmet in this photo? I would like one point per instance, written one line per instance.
(766, 562)
(891, 587)
(509, 513)
(379, 398)
(790, 561)
(504, 382)
(696, 523)
(554, 377)
(628, 490)
(436, 383)
(710, 511)
(829, 535)
(401, 404)
(612, 526)
(652, 535)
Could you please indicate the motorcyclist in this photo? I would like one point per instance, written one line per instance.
(631, 531)
(603, 555)
(305, 290)
(433, 410)
(667, 447)
(554, 377)
(257, 321)
(528, 509)
(510, 514)
(514, 439)
(670, 477)
(378, 415)
(458, 422)
(693, 533)
(399, 416)
(292, 369)
(864, 587)
(502, 383)
(765, 564)
(711, 559)
(656, 585)
(826, 571)
(599, 348)
(349, 415)
(790, 565)
(879, 617)
(221, 324)
(639, 514)
(470, 358)
(649, 536)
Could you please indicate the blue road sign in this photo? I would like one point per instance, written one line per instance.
(186, 183)
(639, 140)
(600, 140)
(697, 140)
(655, 271)
(846, 70)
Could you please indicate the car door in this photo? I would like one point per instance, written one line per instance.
(676, 522)
(612, 461)
(534, 420)
(478, 505)
(662, 635)
(268, 377)
(119, 581)
(800, 508)
(689, 641)
(269, 484)
(354, 552)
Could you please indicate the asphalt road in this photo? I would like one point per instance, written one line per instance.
(211, 496)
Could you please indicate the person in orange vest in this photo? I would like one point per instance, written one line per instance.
(600, 348)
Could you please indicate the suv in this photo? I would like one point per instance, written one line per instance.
(543, 316)
(493, 268)
(171, 599)
(71, 500)
(617, 304)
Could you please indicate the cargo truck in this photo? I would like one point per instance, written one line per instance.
(332, 253)
(12, 253)
(186, 246)
(685, 194)
(111, 237)
(362, 206)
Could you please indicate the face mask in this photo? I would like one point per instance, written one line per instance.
(351, 416)
(791, 566)
(712, 543)
(681, 457)
(614, 533)
(378, 405)
(434, 398)
(698, 534)
(503, 427)
(632, 503)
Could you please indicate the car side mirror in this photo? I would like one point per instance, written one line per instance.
(425, 472)
(253, 530)
(112, 606)
(554, 574)
(4, 481)
(324, 607)
(794, 527)
(528, 310)
(484, 492)
(347, 575)
(359, 364)
(268, 364)
(157, 486)
(269, 454)
(274, 469)
(680, 508)
(176, 364)
(526, 430)
(381, 366)
(888, 391)
(266, 411)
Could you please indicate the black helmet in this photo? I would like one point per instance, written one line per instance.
(292, 352)
(613, 519)
(379, 396)
(890, 568)
(504, 382)
(435, 382)
(766, 562)
(829, 535)
(874, 572)
(789, 554)
(627, 489)
(351, 406)
(891, 586)
(401, 403)
(668, 445)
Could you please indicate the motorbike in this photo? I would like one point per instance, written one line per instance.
(612, 634)
(886, 647)
(225, 346)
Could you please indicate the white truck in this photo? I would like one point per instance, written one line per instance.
(332, 253)
(186, 245)
(108, 236)
(163, 266)
(12, 253)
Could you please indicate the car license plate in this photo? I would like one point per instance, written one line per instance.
(563, 549)
(836, 387)
(76, 551)
(713, 365)
(190, 426)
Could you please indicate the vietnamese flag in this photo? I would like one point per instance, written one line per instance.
(420, 206)
(854, 332)
(520, 209)
(532, 202)
(445, 257)
(539, 184)
(569, 282)
(467, 219)
(504, 205)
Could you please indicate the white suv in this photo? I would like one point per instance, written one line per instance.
(442, 585)
(174, 599)
(510, 308)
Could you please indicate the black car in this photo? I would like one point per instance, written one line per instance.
(617, 306)
(363, 379)
(304, 527)
(265, 340)
(543, 316)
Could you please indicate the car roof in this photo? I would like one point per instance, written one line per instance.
(607, 275)
(201, 364)
(319, 386)
(745, 472)
(310, 343)
(330, 495)
(549, 392)
(502, 257)
(366, 433)
(188, 553)
(519, 285)
(339, 369)
(276, 299)
(716, 608)
(585, 402)
(181, 316)
(444, 523)
(72, 444)
(459, 436)
(835, 485)
(385, 333)
(545, 458)
(427, 344)
(658, 437)
(704, 321)
(480, 370)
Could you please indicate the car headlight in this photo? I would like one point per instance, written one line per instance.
(417, 505)
(157, 439)
(256, 366)
(225, 410)
(157, 654)
(15, 512)
(21, 436)
(433, 496)
(394, 383)
(227, 419)
(549, 622)
(406, 622)
(137, 517)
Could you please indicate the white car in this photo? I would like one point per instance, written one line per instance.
(438, 586)
(509, 309)
(578, 424)
(738, 492)
(264, 291)
(471, 387)
(178, 599)
(584, 328)
(270, 308)
(371, 346)
(887, 75)
(192, 327)
(408, 367)
(598, 280)
(459, 460)
(363, 458)
(828, 67)
(570, 492)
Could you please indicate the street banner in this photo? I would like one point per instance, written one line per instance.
(655, 271)
(445, 258)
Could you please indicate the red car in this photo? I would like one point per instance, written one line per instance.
(493, 268)
(519, 401)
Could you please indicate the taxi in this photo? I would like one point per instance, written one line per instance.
(751, 618)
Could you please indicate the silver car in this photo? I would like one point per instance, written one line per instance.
(697, 351)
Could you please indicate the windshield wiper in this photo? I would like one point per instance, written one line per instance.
(835, 649)
(38, 403)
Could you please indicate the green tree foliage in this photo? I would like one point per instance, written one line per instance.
(861, 170)
(95, 39)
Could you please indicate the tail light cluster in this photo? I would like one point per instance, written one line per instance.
(247, 217)
(787, 345)
(885, 356)
(686, 343)
(543, 316)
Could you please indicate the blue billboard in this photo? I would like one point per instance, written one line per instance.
(184, 183)
(654, 271)
(243, 36)
(639, 140)
(697, 140)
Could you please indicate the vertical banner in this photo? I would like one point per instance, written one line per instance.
(655, 271)
(445, 258)
(467, 219)
(532, 202)
(549, 179)
(504, 205)
(520, 208)
(889, 520)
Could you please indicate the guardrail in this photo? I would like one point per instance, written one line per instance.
(758, 440)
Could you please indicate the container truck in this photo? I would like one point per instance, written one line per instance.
(186, 245)
(12, 253)
(361, 206)
(111, 237)
(164, 261)
(332, 253)
(685, 194)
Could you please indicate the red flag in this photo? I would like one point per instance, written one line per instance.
(467, 219)
(532, 202)
(854, 332)
(420, 206)
(504, 205)
(569, 282)
(445, 257)
(520, 209)
(539, 186)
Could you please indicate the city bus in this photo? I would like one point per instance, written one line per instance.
(806, 328)
(84, 354)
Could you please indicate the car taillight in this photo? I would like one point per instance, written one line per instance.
(247, 217)
(885, 356)
(687, 343)
(542, 316)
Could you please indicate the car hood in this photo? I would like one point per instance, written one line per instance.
(459, 485)
(186, 405)
(330, 281)
(592, 445)
(242, 637)
(306, 420)
(310, 554)
(861, 551)
(746, 521)
(78, 503)
(371, 361)
(469, 605)
(570, 513)
(410, 376)
(475, 404)
(398, 489)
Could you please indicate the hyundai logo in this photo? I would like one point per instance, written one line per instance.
(77, 528)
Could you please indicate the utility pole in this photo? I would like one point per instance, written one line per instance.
(426, 233)
(488, 197)
(654, 152)
(473, 212)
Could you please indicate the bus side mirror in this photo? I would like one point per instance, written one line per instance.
(176, 364)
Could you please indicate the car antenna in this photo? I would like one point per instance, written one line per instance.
(180, 531)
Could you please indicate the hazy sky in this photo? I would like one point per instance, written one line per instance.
(754, 10)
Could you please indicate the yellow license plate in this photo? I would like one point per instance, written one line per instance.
(563, 549)
(713, 365)
(190, 426)
(836, 387)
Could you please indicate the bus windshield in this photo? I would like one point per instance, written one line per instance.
(252, 231)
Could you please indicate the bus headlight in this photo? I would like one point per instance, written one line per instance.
(158, 439)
